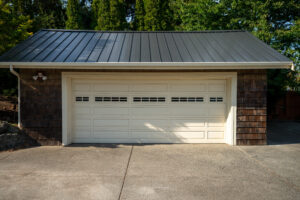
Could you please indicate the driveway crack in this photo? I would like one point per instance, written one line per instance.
(124, 178)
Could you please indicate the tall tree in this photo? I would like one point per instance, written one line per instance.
(103, 15)
(139, 23)
(48, 14)
(117, 15)
(157, 15)
(74, 20)
(111, 15)
(14, 27)
(44, 14)
(276, 22)
(94, 12)
(86, 14)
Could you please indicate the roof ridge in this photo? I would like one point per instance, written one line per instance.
(129, 31)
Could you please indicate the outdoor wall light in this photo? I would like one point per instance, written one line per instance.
(39, 76)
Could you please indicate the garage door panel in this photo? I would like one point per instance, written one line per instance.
(188, 87)
(187, 122)
(81, 87)
(82, 122)
(215, 135)
(149, 88)
(82, 132)
(187, 128)
(110, 134)
(216, 87)
(111, 123)
(216, 122)
(188, 135)
(148, 124)
(188, 111)
(149, 112)
(111, 111)
(79, 110)
(100, 129)
(106, 87)
(216, 111)
(149, 134)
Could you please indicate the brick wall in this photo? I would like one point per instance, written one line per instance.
(252, 107)
(41, 112)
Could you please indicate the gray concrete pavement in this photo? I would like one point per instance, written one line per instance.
(154, 172)
(191, 171)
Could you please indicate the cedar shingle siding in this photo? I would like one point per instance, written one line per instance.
(41, 112)
(252, 107)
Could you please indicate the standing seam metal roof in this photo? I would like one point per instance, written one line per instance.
(126, 46)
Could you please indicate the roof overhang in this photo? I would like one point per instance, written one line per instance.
(150, 65)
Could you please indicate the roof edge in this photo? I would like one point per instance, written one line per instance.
(130, 31)
(150, 65)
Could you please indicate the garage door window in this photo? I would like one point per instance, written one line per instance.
(216, 99)
(82, 99)
(111, 99)
(149, 99)
(187, 99)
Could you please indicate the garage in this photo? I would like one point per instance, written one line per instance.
(78, 86)
(122, 108)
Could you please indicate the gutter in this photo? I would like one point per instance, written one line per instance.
(150, 65)
(19, 93)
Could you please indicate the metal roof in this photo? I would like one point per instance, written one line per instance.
(78, 46)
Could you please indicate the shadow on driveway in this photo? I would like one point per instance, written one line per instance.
(283, 132)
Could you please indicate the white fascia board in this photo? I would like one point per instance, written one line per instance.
(149, 65)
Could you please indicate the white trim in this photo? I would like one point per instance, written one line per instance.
(149, 65)
(67, 77)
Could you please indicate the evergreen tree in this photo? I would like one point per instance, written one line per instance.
(95, 10)
(44, 14)
(103, 15)
(117, 15)
(48, 14)
(74, 20)
(86, 14)
(14, 27)
(157, 15)
(139, 23)
(275, 22)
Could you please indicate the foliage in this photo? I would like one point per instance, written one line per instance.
(86, 14)
(44, 14)
(13, 27)
(139, 23)
(103, 15)
(158, 15)
(74, 20)
(275, 22)
(117, 15)
(111, 15)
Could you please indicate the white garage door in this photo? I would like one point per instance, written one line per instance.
(144, 111)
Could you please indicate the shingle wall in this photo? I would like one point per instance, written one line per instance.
(252, 107)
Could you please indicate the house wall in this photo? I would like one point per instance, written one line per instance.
(41, 113)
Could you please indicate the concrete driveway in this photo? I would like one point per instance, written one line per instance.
(152, 172)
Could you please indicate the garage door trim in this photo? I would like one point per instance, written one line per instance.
(231, 88)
